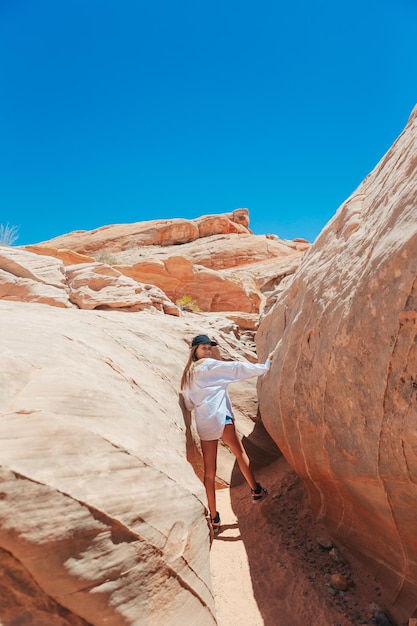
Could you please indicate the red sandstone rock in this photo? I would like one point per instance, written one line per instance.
(339, 582)
(68, 257)
(218, 224)
(30, 277)
(122, 236)
(119, 237)
(245, 268)
(210, 291)
(100, 286)
(341, 399)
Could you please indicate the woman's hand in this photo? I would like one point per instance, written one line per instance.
(271, 355)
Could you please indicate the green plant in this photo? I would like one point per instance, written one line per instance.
(8, 235)
(186, 303)
(106, 257)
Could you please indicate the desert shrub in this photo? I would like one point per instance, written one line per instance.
(106, 257)
(8, 235)
(186, 303)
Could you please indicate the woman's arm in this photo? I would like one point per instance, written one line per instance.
(232, 371)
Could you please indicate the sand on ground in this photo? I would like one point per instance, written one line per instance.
(269, 566)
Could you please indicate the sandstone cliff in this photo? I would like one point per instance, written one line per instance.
(343, 405)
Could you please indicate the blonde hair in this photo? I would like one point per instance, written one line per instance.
(188, 369)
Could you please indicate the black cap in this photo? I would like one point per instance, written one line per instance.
(202, 339)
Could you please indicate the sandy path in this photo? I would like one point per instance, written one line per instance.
(268, 568)
(232, 584)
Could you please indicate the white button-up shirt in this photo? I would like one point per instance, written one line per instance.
(207, 394)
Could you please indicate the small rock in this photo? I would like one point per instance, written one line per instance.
(339, 582)
(381, 619)
(324, 543)
(334, 552)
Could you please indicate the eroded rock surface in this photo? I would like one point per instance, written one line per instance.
(214, 260)
(28, 277)
(118, 237)
(102, 517)
(341, 401)
(31, 277)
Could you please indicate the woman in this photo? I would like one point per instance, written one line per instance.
(204, 388)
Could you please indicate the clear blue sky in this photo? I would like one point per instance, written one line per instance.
(128, 111)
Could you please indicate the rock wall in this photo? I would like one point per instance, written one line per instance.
(98, 507)
(341, 401)
(214, 261)
(102, 517)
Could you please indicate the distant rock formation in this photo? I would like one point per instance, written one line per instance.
(341, 401)
(215, 261)
(29, 277)
(118, 237)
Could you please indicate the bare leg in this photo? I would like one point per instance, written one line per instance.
(209, 450)
(231, 439)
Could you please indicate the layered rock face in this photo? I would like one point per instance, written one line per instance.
(213, 261)
(102, 517)
(341, 401)
(89, 443)
(29, 277)
(152, 233)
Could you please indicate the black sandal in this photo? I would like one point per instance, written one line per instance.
(215, 522)
(258, 493)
